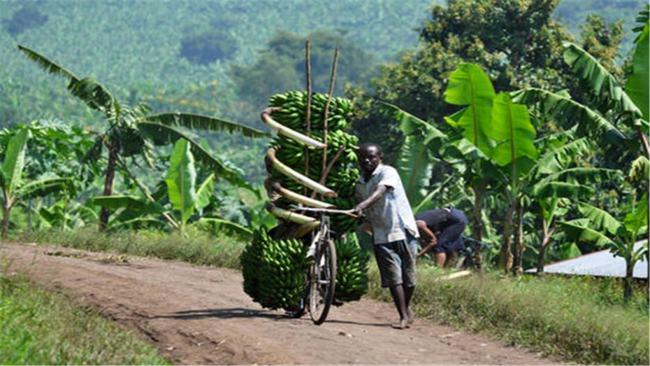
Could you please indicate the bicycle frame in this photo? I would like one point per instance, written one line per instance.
(321, 276)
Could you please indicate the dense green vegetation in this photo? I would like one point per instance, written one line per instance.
(40, 327)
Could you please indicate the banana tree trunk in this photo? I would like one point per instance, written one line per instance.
(646, 149)
(627, 282)
(108, 183)
(6, 210)
(477, 220)
(477, 210)
(518, 267)
(546, 240)
(505, 257)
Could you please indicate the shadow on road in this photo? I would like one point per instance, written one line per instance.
(226, 313)
(229, 313)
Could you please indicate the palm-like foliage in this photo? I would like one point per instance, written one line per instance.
(601, 228)
(11, 183)
(612, 106)
(133, 131)
(554, 181)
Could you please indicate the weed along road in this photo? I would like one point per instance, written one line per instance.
(200, 315)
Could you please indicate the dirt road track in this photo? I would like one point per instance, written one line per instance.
(200, 315)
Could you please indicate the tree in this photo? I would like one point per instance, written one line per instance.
(517, 42)
(555, 180)
(281, 66)
(133, 131)
(618, 113)
(600, 227)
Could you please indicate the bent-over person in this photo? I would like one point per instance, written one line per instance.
(441, 232)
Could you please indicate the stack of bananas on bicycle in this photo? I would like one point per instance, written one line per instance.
(273, 269)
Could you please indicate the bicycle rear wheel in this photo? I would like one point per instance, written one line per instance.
(322, 282)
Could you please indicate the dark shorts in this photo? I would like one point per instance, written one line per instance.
(451, 238)
(396, 262)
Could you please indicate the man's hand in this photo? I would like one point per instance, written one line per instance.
(432, 243)
(358, 210)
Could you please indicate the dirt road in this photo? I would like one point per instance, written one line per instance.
(200, 315)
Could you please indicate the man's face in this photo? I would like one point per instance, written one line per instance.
(369, 158)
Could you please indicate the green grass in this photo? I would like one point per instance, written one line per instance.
(40, 327)
(197, 247)
(577, 319)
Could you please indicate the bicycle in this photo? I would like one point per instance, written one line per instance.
(320, 282)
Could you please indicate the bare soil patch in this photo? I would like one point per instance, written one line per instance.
(200, 315)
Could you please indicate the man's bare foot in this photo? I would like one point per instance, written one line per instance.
(410, 318)
(402, 324)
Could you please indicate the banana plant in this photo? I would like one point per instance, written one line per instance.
(599, 227)
(501, 130)
(614, 104)
(133, 131)
(425, 146)
(554, 181)
(11, 183)
(184, 196)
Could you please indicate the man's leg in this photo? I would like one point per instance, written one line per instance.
(408, 294)
(391, 276)
(399, 298)
(451, 260)
(441, 258)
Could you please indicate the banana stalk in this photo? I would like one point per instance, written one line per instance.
(306, 228)
(291, 216)
(305, 181)
(292, 134)
(297, 197)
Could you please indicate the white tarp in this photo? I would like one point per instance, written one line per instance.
(601, 263)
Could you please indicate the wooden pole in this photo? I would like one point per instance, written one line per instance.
(308, 110)
(330, 91)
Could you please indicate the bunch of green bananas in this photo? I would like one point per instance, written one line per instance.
(344, 174)
(352, 263)
(274, 271)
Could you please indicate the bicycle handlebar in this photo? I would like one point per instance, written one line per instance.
(325, 210)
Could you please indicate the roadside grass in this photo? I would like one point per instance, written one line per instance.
(41, 327)
(197, 247)
(576, 319)
(580, 320)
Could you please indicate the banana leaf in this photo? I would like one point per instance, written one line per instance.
(599, 219)
(580, 231)
(470, 87)
(589, 122)
(42, 187)
(637, 84)
(181, 180)
(513, 131)
(196, 121)
(12, 166)
(162, 135)
(89, 91)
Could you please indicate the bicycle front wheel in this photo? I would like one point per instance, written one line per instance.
(322, 282)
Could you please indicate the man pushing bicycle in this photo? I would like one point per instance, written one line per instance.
(394, 232)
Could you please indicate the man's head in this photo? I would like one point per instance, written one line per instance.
(370, 155)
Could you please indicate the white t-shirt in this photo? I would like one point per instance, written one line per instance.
(390, 216)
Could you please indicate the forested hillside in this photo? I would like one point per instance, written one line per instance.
(211, 57)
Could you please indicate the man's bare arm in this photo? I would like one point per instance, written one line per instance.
(428, 237)
(374, 197)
